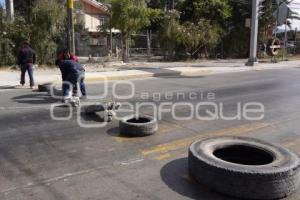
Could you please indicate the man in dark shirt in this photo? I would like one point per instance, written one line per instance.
(26, 59)
(72, 73)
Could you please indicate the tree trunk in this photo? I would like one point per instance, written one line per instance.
(149, 44)
(124, 47)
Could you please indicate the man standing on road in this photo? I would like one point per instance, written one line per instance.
(26, 59)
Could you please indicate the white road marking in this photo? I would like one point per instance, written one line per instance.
(130, 162)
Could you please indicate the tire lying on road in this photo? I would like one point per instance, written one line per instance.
(45, 87)
(100, 107)
(138, 126)
(244, 167)
(91, 109)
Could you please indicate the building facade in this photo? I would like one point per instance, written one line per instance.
(90, 40)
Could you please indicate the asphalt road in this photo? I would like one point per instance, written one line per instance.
(42, 158)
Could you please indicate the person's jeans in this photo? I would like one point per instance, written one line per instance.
(69, 82)
(27, 67)
(66, 89)
(81, 85)
(72, 81)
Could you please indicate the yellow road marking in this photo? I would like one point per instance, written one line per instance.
(164, 128)
(123, 139)
(182, 143)
(169, 156)
(163, 157)
(293, 145)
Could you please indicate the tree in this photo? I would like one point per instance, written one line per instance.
(48, 24)
(24, 8)
(217, 11)
(237, 38)
(6, 44)
(160, 4)
(11, 35)
(203, 18)
(199, 36)
(170, 31)
(129, 16)
(41, 23)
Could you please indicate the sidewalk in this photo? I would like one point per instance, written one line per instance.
(9, 78)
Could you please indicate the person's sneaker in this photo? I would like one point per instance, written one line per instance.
(65, 100)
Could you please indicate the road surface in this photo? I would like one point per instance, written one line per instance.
(42, 158)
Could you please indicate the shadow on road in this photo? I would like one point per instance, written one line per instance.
(175, 176)
(35, 98)
(7, 87)
(115, 132)
(168, 73)
(182, 77)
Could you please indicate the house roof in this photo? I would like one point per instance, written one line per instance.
(97, 4)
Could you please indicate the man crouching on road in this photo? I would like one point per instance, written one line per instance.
(26, 59)
(73, 72)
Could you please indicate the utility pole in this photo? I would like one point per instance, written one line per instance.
(254, 34)
(10, 9)
(110, 31)
(285, 35)
(70, 27)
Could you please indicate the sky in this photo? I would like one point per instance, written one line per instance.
(2, 2)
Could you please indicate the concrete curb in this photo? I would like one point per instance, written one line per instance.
(138, 74)
(156, 73)
(178, 71)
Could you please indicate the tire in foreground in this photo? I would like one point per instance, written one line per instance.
(244, 167)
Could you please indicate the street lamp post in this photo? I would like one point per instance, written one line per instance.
(254, 34)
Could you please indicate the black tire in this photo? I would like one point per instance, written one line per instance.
(45, 87)
(100, 107)
(138, 126)
(244, 167)
(91, 109)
